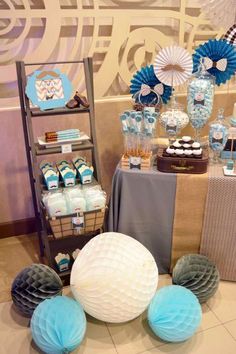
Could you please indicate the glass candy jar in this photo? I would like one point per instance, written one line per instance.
(218, 135)
(200, 99)
(173, 119)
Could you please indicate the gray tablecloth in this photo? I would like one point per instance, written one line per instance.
(142, 206)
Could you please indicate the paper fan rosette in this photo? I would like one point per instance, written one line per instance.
(173, 65)
(219, 59)
(145, 83)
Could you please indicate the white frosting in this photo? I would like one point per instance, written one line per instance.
(186, 138)
(177, 144)
(179, 151)
(196, 145)
(188, 152)
(170, 151)
(197, 152)
(186, 146)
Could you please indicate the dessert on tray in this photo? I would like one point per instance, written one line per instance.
(184, 156)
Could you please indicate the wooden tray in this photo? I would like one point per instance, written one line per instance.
(183, 164)
(139, 163)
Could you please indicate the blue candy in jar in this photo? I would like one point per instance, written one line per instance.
(218, 134)
(200, 99)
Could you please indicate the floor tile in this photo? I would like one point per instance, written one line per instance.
(231, 327)
(97, 339)
(15, 254)
(134, 336)
(212, 341)
(223, 303)
(209, 319)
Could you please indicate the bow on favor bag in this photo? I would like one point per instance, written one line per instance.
(146, 89)
(220, 64)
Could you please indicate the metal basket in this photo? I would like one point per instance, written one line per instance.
(76, 224)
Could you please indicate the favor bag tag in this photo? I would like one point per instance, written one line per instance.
(65, 148)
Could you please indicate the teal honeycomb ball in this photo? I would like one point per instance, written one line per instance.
(174, 313)
(198, 274)
(58, 325)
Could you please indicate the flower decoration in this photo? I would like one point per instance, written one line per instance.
(173, 65)
(219, 59)
(230, 35)
(145, 83)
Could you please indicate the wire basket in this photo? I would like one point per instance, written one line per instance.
(76, 224)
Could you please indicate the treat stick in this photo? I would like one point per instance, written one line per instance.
(125, 130)
(138, 119)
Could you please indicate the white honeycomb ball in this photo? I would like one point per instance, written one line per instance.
(114, 277)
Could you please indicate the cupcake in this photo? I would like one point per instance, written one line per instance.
(177, 145)
(186, 146)
(188, 152)
(170, 151)
(197, 152)
(196, 145)
(179, 152)
(186, 139)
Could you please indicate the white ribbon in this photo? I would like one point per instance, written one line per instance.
(146, 89)
(220, 64)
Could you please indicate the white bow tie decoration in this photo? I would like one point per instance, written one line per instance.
(220, 64)
(146, 89)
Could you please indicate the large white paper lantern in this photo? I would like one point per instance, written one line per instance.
(114, 277)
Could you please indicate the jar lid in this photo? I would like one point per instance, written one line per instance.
(233, 122)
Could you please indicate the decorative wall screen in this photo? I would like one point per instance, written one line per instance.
(120, 35)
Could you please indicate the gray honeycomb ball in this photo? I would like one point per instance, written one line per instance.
(33, 285)
(198, 274)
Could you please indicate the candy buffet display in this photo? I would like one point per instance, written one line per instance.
(184, 156)
(200, 99)
(218, 135)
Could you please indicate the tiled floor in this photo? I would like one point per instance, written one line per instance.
(216, 335)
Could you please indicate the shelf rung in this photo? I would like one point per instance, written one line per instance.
(35, 112)
(57, 149)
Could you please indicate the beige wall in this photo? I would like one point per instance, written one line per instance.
(15, 201)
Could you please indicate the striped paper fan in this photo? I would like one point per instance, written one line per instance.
(173, 65)
(220, 12)
(230, 35)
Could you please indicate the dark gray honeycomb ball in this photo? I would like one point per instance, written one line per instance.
(198, 274)
(33, 285)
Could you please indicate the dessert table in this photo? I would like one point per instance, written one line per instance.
(176, 214)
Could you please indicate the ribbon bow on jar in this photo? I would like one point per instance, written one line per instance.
(220, 64)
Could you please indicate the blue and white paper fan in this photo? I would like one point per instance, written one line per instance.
(219, 59)
(146, 82)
